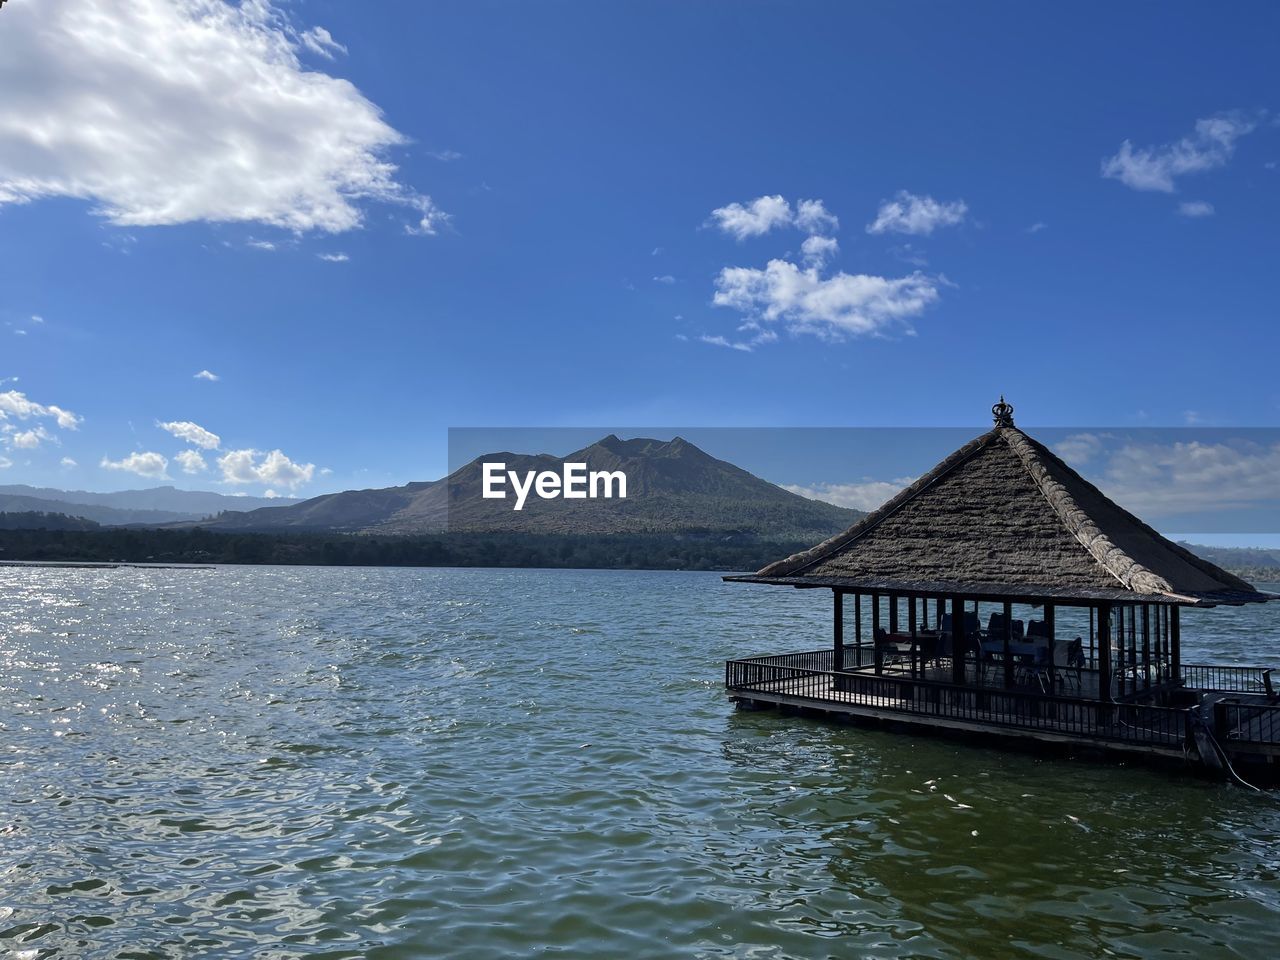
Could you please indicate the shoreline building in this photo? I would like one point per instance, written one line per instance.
(1004, 596)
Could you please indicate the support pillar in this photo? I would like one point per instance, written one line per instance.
(1104, 652)
(957, 640)
(837, 625)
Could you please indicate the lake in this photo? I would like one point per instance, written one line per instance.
(385, 763)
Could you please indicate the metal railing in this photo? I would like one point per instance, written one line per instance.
(1224, 679)
(992, 706)
(1248, 722)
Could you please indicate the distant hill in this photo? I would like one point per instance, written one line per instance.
(153, 506)
(672, 487)
(1253, 563)
(45, 521)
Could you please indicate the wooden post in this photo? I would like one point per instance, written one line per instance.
(911, 626)
(1175, 644)
(1146, 645)
(857, 624)
(1104, 652)
(877, 650)
(1007, 639)
(957, 640)
(837, 623)
(1092, 634)
(1117, 628)
(893, 613)
(1050, 627)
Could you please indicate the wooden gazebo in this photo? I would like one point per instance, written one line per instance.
(1003, 593)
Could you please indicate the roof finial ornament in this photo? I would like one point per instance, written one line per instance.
(1002, 413)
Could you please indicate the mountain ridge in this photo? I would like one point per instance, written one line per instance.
(672, 486)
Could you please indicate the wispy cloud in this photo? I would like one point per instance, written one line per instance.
(445, 156)
(207, 375)
(193, 433)
(1157, 479)
(333, 257)
(179, 111)
(1196, 208)
(318, 40)
(866, 495)
(1157, 168)
(718, 341)
(666, 279)
(916, 215)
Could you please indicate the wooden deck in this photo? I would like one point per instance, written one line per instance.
(1145, 721)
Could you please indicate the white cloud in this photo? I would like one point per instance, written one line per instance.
(1153, 479)
(866, 495)
(36, 318)
(766, 213)
(813, 217)
(147, 464)
(319, 40)
(15, 403)
(753, 219)
(916, 215)
(666, 278)
(175, 111)
(29, 439)
(193, 433)
(445, 156)
(270, 494)
(333, 257)
(253, 466)
(1037, 227)
(266, 245)
(832, 307)
(816, 250)
(68, 462)
(1195, 208)
(5, 463)
(1079, 448)
(724, 342)
(1156, 168)
(207, 375)
(191, 461)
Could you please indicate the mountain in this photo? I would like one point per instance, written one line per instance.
(1256, 564)
(154, 505)
(672, 487)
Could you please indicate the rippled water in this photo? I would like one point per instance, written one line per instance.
(280, 762)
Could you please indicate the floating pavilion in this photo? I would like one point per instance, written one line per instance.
(1004, 596)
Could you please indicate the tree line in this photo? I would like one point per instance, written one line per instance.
(694, 550)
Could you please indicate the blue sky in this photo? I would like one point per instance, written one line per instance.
(518, 204)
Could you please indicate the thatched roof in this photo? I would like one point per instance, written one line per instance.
(1004, 517)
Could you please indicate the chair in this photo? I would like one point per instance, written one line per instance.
(890, 650)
